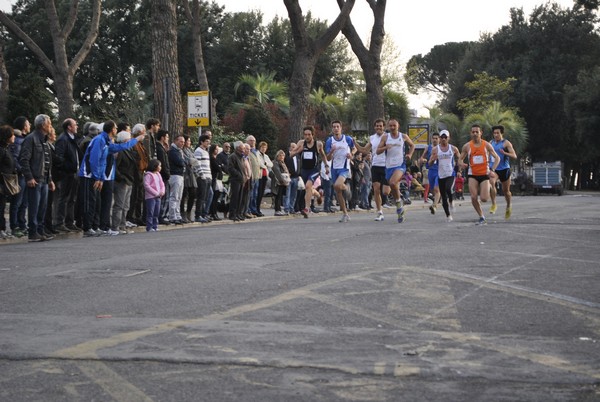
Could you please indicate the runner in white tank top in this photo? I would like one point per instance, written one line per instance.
(392, 144)
(445, 154)
(377, 166)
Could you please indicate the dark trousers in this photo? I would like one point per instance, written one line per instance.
(18, 207)
(88, 197)
(235, 194)
(446, 190)
(201, 196)
(164, 202)
(262, 184)
(188, 199)
(153, 210)
(279, 197)
(137, 203)
(106, 199)
(3, 199)
(50, 207)
(66, 199)
(37, 199)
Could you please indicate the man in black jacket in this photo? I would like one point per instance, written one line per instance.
(177, 164)
(36, 166)
(237, 178)
(292, 189)
(67, 156)
(162, 154)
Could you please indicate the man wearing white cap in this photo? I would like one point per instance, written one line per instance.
(446, 155)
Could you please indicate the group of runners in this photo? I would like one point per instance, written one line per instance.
(487, 163)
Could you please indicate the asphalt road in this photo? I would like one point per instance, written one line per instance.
(292, 309)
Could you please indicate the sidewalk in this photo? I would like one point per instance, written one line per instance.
(266, 207)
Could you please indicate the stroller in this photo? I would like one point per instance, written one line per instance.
(223, 199)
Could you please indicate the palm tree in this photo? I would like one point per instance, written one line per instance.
(324, 107)
(261, 89)
(449, 120)
(514, 126)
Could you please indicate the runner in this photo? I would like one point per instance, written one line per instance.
(432, 173)
(310, 151)
(377, 167)
(339, 149)
(478, 151)
(505, 151)
(445, 154)
(392, 144)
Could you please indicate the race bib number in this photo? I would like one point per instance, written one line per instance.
(478, 159)
(307, 155)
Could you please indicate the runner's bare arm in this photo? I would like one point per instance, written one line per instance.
(382, 145)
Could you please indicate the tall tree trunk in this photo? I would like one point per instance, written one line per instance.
(167, 99)
(193, 15)
(308, 51)
(370, 59)
(61, 70)
(63, 85)
(4, 85)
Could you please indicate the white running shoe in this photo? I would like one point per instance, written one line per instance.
(379, 216)
(345, 218)
(449, 218)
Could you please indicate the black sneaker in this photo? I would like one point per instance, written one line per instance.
(36, 238)
(47, 235)
(62, 229)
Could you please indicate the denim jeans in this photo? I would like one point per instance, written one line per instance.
(290, 195)
(18, 207)
(209, 200)
(201, 200)
(152, 212)
(365, 189)
(327, 192)
(176, 185)
(252, 207)
(37, 199)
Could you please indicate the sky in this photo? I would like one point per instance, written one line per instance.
(415, 26)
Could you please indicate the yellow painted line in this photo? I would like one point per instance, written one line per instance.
(112, 383)
(405, 371)
(88, 349)
(516, 290)
(379, 368)
(137, 273)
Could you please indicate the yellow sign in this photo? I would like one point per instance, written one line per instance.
(419, 134)
(198, 109)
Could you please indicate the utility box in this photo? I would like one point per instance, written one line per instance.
(548, 177)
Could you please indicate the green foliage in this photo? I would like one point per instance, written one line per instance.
(496, 114)
(29, 95)
(432, 71)
(395, 105)
(437, 118)
(485, 89)
(260, 89)
(582, 101)
(324, 108)
(546, 53)
(258, 123)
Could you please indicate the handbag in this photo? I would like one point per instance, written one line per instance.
(11, 183)
(301, 185)
(286, 179)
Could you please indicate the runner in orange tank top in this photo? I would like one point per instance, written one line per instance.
(478, 152)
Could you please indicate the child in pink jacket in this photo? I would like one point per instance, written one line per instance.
(155, 189)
